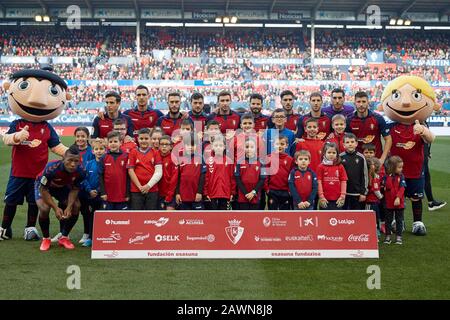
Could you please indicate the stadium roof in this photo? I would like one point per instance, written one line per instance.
(400, 6)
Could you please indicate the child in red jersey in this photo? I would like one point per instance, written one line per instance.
(303, 182)
(189, 176)
(114, 182)
(155, 135)
(374, 195)
(219, 178)
(395, 197)
(338, 122)
(250, 178)
(127, 143)
(332, 179)
(145, 171)
(168, 168)
(311, 143)
(279, 165)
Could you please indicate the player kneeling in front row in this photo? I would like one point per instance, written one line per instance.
(61, 180)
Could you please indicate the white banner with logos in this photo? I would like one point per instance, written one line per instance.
(22, 12)
(62, 12)
(115, 13)
(161, 14)
(335, 15)
(249, 14)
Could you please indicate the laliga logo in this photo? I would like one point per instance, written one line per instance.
(334, 222)
(234, 231)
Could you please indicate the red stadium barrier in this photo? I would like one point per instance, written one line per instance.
(234, 234)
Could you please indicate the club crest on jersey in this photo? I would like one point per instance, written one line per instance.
(150, 118)
(42, 131)
(372, 126)
(122, 163)
(234, 122)
(357, 160)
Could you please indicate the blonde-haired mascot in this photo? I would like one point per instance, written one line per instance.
(409, 101)
(36, 95)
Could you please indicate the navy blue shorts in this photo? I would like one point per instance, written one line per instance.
(414, 187)
(60, 194)
(18, 189)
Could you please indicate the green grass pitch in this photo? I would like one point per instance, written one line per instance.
(417, 270)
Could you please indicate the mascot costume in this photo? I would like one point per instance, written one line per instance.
(35, 96)
(408, 101)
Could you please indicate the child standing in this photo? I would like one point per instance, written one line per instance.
(127, 143)
(189, 177)
(395, 198)
(82, 144)
(114, 182)
(168, 168)
(279, 165)
(91, 186)
(338, 122)
(356, 168)
(145, 171)
(303, 182)
(219, 179)
(249, 178)
(374, 195)
(311, 143)
(331, 178)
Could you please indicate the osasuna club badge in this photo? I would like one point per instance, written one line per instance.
(234, 231)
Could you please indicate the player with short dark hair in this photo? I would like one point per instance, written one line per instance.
(197, 113)
(102, 126)
(172, 120)
(256, 105)
(323, 121)
(228, 119)
(143, 116)
(61, 180)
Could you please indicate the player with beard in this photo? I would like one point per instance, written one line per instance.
(256, 105)
(368, 127)
(172, 120)
(287, 102)
(228, 119)
(323, 121)
(197, 114)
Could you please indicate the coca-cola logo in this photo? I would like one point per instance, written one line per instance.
(358, 237)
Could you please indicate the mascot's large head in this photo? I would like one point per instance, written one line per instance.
(408, 98)
(36, 95)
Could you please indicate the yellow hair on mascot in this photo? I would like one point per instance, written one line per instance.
(408, 101)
